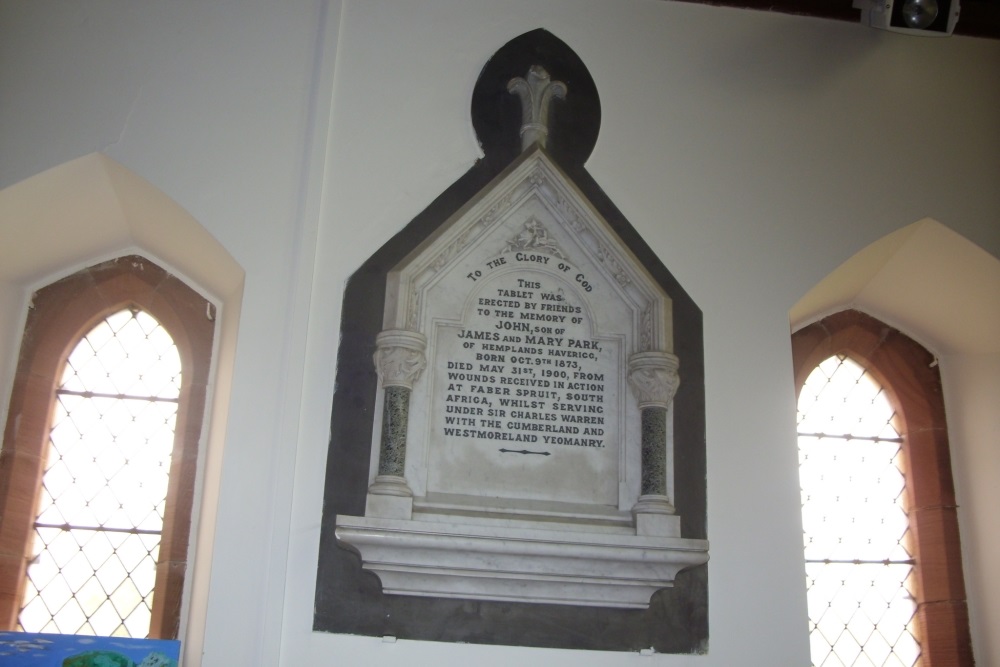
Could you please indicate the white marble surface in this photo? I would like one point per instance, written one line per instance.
(518, 564)
(524, 437)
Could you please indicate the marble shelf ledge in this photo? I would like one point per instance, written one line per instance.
(516, 564)
(520, 513)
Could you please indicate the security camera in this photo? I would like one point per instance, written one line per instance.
(932, 18)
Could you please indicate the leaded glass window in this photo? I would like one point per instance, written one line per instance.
(858, 562)
(104, 486)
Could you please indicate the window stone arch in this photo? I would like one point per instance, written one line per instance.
(60, 314)
(909, 374)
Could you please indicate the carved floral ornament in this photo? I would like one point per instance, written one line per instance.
(653, 378)
(536, 92)
(399, 357)
(534, 236)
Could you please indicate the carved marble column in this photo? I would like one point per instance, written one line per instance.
(399, 360)
(654, 381)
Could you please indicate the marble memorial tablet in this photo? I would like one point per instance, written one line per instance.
(526, 369)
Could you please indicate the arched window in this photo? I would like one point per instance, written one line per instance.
(883, 559)
(100, 453)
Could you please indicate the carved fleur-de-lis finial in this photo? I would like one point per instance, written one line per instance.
(536, 93)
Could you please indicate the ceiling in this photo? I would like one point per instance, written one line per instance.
(979, 18)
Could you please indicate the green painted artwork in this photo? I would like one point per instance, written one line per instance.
(24, 649)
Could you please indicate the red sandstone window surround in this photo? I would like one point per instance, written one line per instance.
(60, 315)
(910, 377)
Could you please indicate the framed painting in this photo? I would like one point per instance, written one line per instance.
(29, 649)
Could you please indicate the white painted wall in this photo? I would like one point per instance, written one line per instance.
(972, 388)
(753, 152)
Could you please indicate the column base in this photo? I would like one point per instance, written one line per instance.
(654, 516)
(389, 497)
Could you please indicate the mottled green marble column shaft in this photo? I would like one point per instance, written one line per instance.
(395, 414)
(654, 451)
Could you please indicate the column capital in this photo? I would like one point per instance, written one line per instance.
(653, 378)
(399, 357)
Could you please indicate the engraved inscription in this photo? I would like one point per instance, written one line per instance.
(526, 366)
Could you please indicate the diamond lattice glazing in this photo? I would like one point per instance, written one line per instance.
(855, 522)
(97, 532)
